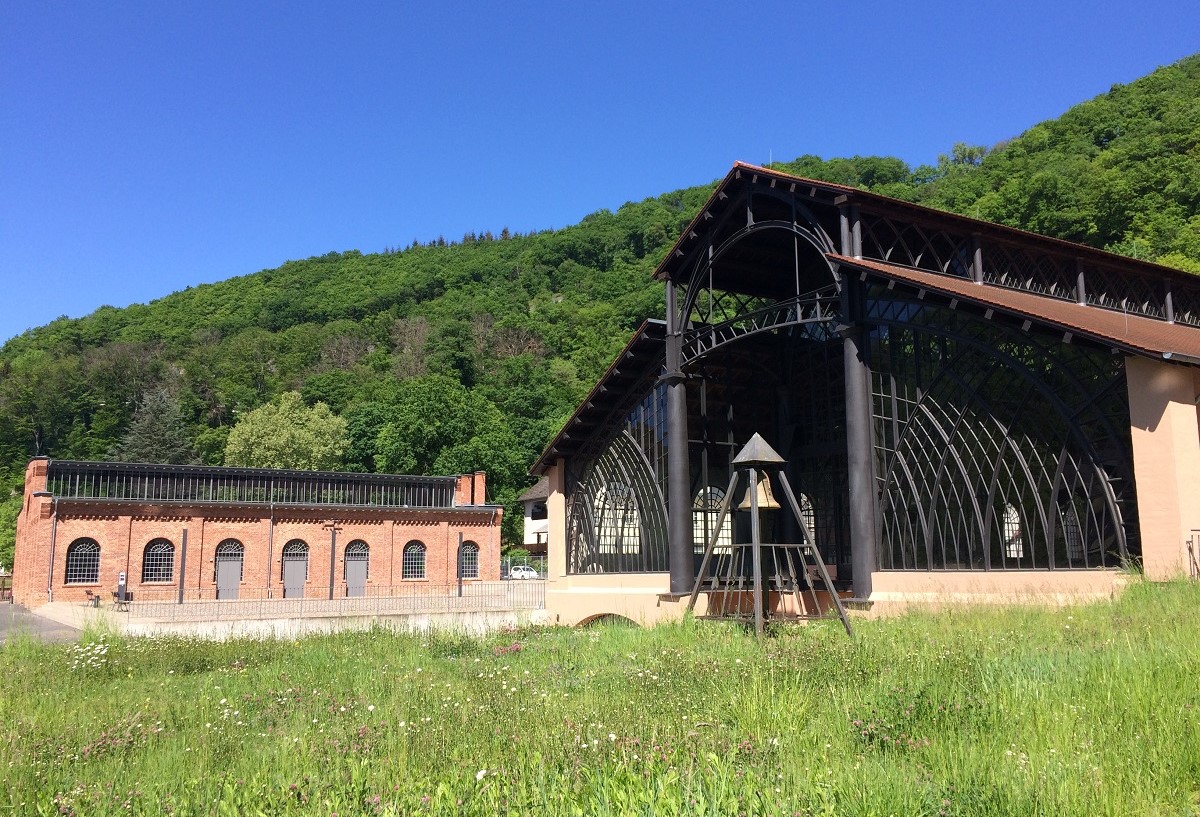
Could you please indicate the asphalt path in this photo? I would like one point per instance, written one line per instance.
(16, 620)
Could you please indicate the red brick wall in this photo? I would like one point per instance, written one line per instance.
(32, 553)
(471, 489)
(124, 531)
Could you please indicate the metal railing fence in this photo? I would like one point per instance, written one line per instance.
(202, 485)
(416, 598)
(538, 563)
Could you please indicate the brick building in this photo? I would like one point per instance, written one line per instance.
(196, 532)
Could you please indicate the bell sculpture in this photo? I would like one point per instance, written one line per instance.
(766, 499)
(797, 568)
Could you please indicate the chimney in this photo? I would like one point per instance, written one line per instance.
(37, 475)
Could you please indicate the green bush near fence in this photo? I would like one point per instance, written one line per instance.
(1089, 710)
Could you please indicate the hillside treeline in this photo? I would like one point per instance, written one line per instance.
(463, 355)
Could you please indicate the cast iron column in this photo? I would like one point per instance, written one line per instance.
(182, 564)
(859, 443)
(756, 550)
(333, 529)
(679, 501)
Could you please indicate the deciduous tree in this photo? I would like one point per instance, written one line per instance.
(286, 433)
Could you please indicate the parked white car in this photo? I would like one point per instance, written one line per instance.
(522, 572)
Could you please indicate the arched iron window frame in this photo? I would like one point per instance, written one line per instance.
(621, 461)
(804, 226)
(413, 561)
(158, 561)
(808, 515)
(469, 560)
(888, 314)
(706, 504)
(82, 565)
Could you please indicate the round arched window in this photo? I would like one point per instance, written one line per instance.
(158, 561)
(83, 562)
(469, 561)
(412, 564)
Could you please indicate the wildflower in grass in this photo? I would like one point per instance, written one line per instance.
(479, 775)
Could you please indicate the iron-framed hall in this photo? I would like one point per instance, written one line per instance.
(964, 408)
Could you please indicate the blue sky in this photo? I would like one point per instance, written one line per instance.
(148, 146)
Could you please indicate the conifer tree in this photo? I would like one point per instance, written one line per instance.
(157, 433)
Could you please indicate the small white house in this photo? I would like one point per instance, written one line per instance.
(537, 524)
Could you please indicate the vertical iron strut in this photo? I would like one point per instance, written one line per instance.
(859, 438)
(183, 564)
(755, 550)
(859, 446)
(679, 510)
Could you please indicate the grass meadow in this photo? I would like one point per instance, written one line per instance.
(1090, 710)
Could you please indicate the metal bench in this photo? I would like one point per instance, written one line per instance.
(121, 603)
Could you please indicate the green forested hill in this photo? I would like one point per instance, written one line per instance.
(1120, 172)
(464, 355)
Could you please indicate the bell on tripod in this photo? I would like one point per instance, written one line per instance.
(766, 500)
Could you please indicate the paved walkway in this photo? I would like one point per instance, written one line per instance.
(486, 606)
(483, 606)
(16, 620)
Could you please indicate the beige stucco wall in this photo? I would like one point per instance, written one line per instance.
(556, 524)
(643, 597)
(639, 597)
(895, 591)
(571, 600)
(1166, 461)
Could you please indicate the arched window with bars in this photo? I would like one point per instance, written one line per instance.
(83, 562)
(808, 516)
(412, 562)
(706, 507)
(618, 524)
(469, 561)
(158, 561)
(1014, 544)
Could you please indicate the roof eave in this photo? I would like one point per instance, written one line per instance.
(982, 300)
(552, 450)
(969, 223)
